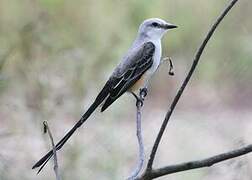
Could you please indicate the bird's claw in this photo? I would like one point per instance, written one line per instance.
(139, 100)
(143, 92)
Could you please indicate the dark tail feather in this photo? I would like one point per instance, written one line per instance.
(42, 162)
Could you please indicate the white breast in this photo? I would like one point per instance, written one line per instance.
(144, 81)
(157, 55)
(156, 61)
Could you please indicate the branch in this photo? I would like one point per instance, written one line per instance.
(56, 167)
(184, 84)
(155, 173)
(139, 104)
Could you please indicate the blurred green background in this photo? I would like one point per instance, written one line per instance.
(55, 55)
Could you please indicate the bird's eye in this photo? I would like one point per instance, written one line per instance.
(155, 24)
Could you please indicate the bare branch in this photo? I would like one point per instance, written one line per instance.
(155, 173)
(56, 167)
(140, 162)
(184, 84)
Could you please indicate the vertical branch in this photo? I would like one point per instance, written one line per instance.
(139, 137)
(56, 167)
(184, 84)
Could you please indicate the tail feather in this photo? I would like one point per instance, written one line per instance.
(99, 99)
(59, 145)
(43, 161)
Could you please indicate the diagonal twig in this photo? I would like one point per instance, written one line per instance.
(184, 84)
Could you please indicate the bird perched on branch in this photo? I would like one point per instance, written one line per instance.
(132, 74)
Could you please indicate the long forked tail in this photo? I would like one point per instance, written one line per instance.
(99, 99)
(43, 161)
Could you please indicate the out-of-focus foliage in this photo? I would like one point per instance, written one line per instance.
(55, 55)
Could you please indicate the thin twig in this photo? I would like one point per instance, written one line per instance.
(140, 163)
(155, 173)
(185, 82)
(56, 167)
(171, 68)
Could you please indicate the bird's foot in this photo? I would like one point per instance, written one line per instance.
(139, 100)
(143, 92)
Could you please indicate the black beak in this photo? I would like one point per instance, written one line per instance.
(169, 26)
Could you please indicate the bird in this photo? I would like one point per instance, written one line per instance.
(132, 74)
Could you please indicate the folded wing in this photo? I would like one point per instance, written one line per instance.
(138, 64)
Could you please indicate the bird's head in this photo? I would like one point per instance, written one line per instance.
(155, 28)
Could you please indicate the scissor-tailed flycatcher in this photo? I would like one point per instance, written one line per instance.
(131, 74)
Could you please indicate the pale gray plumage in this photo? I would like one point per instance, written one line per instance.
(146, 33)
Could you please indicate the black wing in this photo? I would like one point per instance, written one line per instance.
(140, 63)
